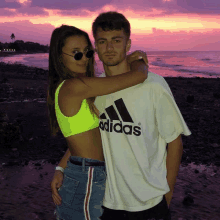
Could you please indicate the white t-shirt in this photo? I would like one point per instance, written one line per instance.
(136, 124)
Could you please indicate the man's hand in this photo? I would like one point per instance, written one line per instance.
(174, 155)
(168, 197)
(56, 183)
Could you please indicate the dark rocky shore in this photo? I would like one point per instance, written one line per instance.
(28, 153)
(25, 123)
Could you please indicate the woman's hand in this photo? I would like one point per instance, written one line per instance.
(56, 183)
(137, 55)
(139, 65)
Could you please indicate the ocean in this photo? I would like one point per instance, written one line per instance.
(165, 63)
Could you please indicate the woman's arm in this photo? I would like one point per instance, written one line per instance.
(63, 161)
(98, 86)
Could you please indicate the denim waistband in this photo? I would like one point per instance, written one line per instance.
(85, 163)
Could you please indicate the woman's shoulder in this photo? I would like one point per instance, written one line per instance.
(66, 89)
(70, 86)
(69, 103)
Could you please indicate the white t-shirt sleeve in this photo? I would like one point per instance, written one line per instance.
(169, 119)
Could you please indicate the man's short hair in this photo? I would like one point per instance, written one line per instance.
(111, 20)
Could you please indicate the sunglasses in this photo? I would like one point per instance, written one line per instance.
(79, 55)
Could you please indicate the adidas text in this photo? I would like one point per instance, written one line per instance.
(119, 128)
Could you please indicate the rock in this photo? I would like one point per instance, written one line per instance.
(217, 154)
(215, 145)
(12, 163)
(203, 176)
(37, 164)
(3, 99)
(4, 80)
(188, 200)
(15, 155)
(196, 171)
(52, 161)
(3, 116)
(10, 135)
(32, 216)
(216, 95)
(190, 98)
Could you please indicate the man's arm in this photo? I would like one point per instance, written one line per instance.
(174, 155)
(63, 161)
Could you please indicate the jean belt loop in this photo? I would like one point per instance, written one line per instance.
(83, 164)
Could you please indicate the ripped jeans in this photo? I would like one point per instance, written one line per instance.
(82, 190)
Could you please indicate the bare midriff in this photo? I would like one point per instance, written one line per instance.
(87, 144)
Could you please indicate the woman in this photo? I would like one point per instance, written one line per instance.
(71, 94)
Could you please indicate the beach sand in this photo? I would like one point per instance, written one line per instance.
(25, 140)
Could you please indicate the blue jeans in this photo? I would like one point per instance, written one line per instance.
(82, 191)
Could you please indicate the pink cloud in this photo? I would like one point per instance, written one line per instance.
(181, 40)
(199, 6)
(32, 11)
(6, 13)
(77, 12)
(140, 7)
(69, 4)
(5, 4)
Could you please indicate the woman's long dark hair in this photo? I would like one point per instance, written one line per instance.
(58, 72)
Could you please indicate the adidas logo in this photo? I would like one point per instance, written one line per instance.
(119, 127)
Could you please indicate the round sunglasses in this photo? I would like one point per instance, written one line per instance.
(79, 55)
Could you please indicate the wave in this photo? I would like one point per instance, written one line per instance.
(185, 69)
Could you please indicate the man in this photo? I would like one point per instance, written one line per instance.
(136, 124)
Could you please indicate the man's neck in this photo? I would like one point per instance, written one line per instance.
(121, 68)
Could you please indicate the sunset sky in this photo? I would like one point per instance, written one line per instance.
(162, 25)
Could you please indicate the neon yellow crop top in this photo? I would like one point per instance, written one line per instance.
(81, 122)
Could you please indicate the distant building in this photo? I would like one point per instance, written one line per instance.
(8, 50)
